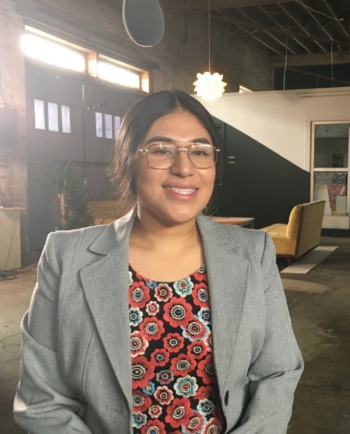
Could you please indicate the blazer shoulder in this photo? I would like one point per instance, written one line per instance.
(68, 236)
(250, 242)
(100, 239)
(64, 241)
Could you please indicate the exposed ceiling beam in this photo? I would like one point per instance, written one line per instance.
(226, 4)
(338, 20)
(317, 21)
(339, 57)
(305, 36)
(280, 26)
(267, 32)
(296, 21)
(251, 34)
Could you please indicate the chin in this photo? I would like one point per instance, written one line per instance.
(183, 217)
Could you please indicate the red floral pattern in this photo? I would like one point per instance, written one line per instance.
(201, 295)
(152, 328)
(173, 342)
(138, 294)
(152, 427)
(179, 413)
(177, 312)
(140, 402)
(163, 395)
(138, 344)
(182, 365)
(174, 383)
(142, 371)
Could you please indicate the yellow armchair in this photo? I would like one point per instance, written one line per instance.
(302, 232)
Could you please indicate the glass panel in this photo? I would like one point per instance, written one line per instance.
(332, 187)
(117, 121)
(53, 116)
(47, 51)
(116, 74)
(331, 145)
(39, 114)
(99, 124)
(65, 112)
(109, 126)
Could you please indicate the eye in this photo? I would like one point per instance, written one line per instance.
(162, 149)
(202, 150)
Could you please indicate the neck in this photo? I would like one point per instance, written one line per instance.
(155, 233)
(165, 252)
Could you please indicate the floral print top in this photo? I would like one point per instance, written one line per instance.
(174, 385)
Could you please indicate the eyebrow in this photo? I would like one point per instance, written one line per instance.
(170, 140)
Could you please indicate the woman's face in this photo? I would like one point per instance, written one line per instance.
(178, 194)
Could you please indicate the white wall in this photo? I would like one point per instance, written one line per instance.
(281, 120)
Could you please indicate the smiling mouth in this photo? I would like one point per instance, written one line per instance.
(182, 190)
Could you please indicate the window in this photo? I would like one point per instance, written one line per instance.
(65, 116)
(42, 48)
(39, 113)
(330, 180)
(116, 74)
(52, 116)
(107, 125)
(54, 51)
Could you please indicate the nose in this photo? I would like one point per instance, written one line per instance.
(183, 165)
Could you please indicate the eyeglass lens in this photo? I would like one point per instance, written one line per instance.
(164, 155)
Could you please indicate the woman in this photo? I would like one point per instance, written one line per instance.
(163, 322)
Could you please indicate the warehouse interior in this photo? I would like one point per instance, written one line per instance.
(57, 117)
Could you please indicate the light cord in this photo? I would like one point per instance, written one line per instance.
(209, 34)
(286, 56)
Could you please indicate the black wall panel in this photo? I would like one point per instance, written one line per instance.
(260, 183)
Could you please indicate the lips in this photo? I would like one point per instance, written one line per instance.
(182, 190)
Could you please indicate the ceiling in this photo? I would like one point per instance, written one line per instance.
(307, 36)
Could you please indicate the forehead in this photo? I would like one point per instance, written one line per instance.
(179, 125)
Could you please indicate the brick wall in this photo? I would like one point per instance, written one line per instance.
(13, 173)
(12, 96)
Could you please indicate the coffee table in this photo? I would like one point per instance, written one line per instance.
(247, 222)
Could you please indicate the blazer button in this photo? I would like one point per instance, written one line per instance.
(227, 397)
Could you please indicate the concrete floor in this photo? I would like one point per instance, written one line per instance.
(319, 304)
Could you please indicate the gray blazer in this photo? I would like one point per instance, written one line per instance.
(76, 362)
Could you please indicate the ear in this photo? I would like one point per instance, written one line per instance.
(143, 21)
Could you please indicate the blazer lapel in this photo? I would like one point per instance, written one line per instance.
(105, 284)
(227, 272)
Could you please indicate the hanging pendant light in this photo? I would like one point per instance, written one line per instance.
(209, 86)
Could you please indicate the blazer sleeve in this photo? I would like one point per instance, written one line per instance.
(276, 370)
(44, 402)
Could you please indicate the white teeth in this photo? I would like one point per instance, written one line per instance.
(183, 190)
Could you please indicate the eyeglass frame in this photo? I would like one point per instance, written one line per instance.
(216, 152)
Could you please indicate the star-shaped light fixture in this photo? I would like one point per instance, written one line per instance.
(209, 86)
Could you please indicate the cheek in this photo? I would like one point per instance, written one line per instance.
(210, 178)
(144, 178)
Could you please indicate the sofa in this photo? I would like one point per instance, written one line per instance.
(106, 211)
(301, 234)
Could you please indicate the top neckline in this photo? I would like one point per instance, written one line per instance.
(201, 270)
